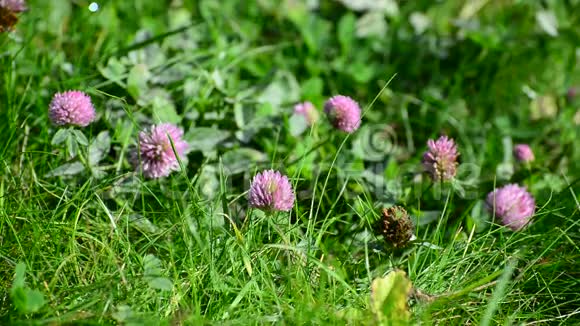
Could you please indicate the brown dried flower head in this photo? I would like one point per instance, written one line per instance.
(396, 226)
(9, 10)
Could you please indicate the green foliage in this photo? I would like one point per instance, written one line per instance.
(389, 299)
(153, 274)
(25, 300)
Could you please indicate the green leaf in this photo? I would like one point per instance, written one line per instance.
(429, 245)
(218, 80)
(266, 110)
(55, 17)
(298, 14)
(137, 80)
(25, 300)
(34, 301)
(420, 22)
(361, 71)
(60, 136)
(205, 139)
(153, 274)
(123, 131)
(312, 88)
(142, 224)
(346, 27)
(548, 22)
(389, 298)
(99, 148)
(374, 142)
(114, 71)
(478, 218)
(550, 181)
(209, 181)
(127, 317)
(243, 114)
(283, 89)
(72, 147)
(504, 170)
(372, 23)
(543, 107)
(19, 275)
(298, 124)
(160, 283)
(241, 159)
(352, 316)
(80, 138)
(164, 110)
(251, 129)
(388, 7)
(66, 169)
(425, 217)
(18, 297)
(151, 265)
(123, 313)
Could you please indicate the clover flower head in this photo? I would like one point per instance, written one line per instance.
(158, 159)
(440, 159)
(308, 111)
(71, 108)
(513, 205)
(343, 112)
(271, 191)
(14, 6)
(572, 93)
(523, 153)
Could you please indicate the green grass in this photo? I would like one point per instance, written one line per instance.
(108, 246)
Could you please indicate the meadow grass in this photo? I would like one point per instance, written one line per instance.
(105, 245)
